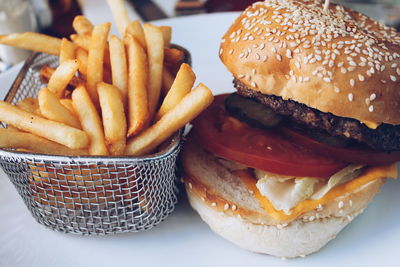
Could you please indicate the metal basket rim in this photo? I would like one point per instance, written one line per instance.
(171, 148)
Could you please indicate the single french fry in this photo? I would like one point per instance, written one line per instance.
(95, 60)
(182, 85)
(167, 33)
(82, 25)
(135, 29)
(90, 120)
(138, 106)
(46, 72)
(26, 141)
(120, 14)
(84, 40)
(66, 102)
(28, 104)
(114, 120)
(167, 81)
(119, 67)
(52, 109)
(51, 130)
(185, 111)
(155, 53)
(62, 76)
(173, 56)
(67, 50)
(81, 57)
(33, 41)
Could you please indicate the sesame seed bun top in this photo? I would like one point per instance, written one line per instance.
(338, 61)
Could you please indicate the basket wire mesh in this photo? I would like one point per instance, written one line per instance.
(90, 195)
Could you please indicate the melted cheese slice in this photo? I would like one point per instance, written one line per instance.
(370, 174)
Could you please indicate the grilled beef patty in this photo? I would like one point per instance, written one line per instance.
(384, 138)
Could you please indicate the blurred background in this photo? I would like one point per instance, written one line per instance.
(55, 17)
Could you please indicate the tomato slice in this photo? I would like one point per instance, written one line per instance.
(266, 150)
(357, 155)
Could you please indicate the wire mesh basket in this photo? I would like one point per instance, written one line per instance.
(90, 195)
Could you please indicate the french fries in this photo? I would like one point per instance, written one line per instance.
(167, 33)
(125, 96)
(181, 86)
(82, 25)
(28, 104)
(46, 72)
(62, 76)
(33, 41)
(135, 29)
(186, 110)
(90, 121)
(51, 130)
(114, 120)
(81, 57)
(119, 67)
(138, 112)
(94, 69)
(20, 140)
(155, 53)
(120, 14)
(52, 109)
(67, 50)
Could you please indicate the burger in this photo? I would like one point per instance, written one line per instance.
(310, 135)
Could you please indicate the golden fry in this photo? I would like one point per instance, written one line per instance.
(33, 41)
(167, 33)
(20, 140)
(82, 25)
(135, 29)
(90, 121)
(120, 14)
(66, 102)
(185, 111)
(62, 76)
(155, 53)
(28, 104)
(67, 50)
(119, 67)
(138, 106)
(81, 57)
(95, 60)
(182, 85)
(46, 72)
(52, 109)
(51, 130)
(114, 120)
(84, 41)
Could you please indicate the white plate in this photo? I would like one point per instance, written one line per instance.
(183, 239)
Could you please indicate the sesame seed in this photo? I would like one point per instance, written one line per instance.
(203, 199)
(279, 57)
(213, 204)
(372, 97)
(326, 79)
(340, 204)
(371, 108)
(337, 90)
(226, 207)
(393, 78)
(220, 51)
(350, 97)
(253, 84)
(231, 52)
(190, 185)
(312, 218)
(234, 207)
(398, 71)
(352, 82)
(361, 78)
(240, 76)
(288, 53)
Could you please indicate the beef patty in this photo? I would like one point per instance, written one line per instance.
(384, 138)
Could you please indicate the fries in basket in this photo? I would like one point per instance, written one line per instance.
(109, 95)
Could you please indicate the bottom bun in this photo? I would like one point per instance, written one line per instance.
(224, 204)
